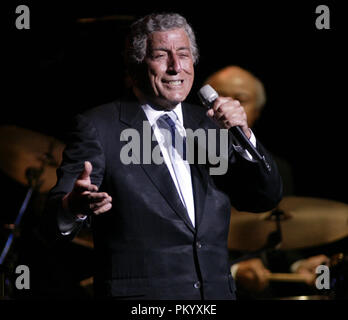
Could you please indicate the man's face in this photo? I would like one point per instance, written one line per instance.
(170, 68)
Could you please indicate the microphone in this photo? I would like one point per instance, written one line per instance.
(208, 95)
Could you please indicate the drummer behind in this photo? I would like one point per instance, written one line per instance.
(252, 275)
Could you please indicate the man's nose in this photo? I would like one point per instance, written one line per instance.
(174, 65)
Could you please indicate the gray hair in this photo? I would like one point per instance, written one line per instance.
(142, 28)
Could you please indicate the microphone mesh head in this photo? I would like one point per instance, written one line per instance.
(207, 95)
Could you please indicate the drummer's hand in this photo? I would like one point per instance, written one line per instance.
(308, 266)
(84, 198)
(252, 275)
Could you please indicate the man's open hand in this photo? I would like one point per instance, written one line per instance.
(85, 199)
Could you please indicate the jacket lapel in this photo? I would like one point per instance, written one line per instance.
(193, 120)
(133, 115)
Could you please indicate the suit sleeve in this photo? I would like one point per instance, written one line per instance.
(84, 145)
(249, 185)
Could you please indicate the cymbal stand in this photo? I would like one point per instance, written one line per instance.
(274, 239)
(33, 175)
(276, 236)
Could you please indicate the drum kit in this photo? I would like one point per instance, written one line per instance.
(305, 222)
(31, 159)
(298, 223)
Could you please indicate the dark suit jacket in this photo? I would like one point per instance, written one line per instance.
(146, 246)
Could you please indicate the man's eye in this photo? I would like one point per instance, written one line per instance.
(184, 55)
(158, 56)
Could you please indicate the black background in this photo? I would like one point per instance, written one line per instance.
(60, 67)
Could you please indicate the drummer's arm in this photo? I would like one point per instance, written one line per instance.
(308, 266)
(251, 274)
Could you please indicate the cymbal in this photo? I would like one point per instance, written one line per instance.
(22, 149)
(305, 222)
(312, 297)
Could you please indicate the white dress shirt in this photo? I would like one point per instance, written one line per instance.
(184, 187)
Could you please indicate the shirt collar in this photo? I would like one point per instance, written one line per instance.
(153, 114)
